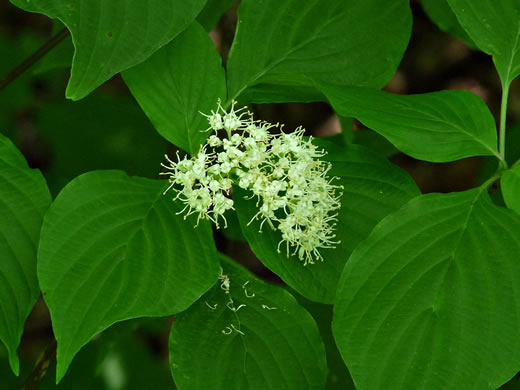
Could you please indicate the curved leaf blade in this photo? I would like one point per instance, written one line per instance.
(178, 82)
(113, 248)
(440, 13)
(24, 198)
(510, 184)
(495, 27)
(111, 36)
(276, 343)
(373, 188)
(431, 299)
(438, 127)
(339, 42)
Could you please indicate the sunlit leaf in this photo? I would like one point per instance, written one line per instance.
(24, 198)
(251, 336)
(111, 36)
(431, 299)
(113, 248)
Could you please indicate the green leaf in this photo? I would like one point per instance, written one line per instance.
(438, 127)
(431, 299)
(273, 343)
(494, 26)
(212, 12)
(24, 198)
(373, 188)
(112, 248)
(111, 36)
(108, 133)
(293, 44)
(441, 14)
(510, 183)
(178, 82)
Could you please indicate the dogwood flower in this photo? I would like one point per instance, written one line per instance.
(283, 171)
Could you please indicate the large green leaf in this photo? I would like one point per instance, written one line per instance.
(510, 183)
(24, 197)
(440, 12)
(494, 26)
(113, 248)
(177, 83)
(273, 343)
(292, 43)
(438, 127)
(111, 36)
(373, 188)
(431, 299)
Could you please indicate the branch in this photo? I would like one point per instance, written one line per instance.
(41, 368)
(33, 58)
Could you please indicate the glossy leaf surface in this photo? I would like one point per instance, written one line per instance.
(439, 127)
(24, 198)
(290, 45)
(431, 299)
(111, 36)
(255, 336)
(177, 83)
(113, 248)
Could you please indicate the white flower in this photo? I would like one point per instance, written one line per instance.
(283, 172)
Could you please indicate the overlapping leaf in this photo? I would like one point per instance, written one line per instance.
(177, 83)
(494, 26)
(441, 14)
(439, 127)
(282, 47)
(24, 198)
(255, 336)
(111, 36)
(510, 183)
(373, 188)
(431, 299)
(113, 248)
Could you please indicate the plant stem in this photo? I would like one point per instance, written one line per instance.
(41, 368)
(20, 69)
(503, 112)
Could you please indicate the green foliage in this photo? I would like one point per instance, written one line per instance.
(308, 42)
(510, 182)
(24, 198)
(441, 13)
(495, 29)
(111, 250)
(430, 299)
(178, 82)
(272, 343)
(440, 126)
(113, 36)
(415, 291)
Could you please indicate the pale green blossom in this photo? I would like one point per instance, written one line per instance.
(283, 172)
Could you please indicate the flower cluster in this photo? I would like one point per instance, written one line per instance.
(283, 171)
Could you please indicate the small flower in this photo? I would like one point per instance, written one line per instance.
(282, 171)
